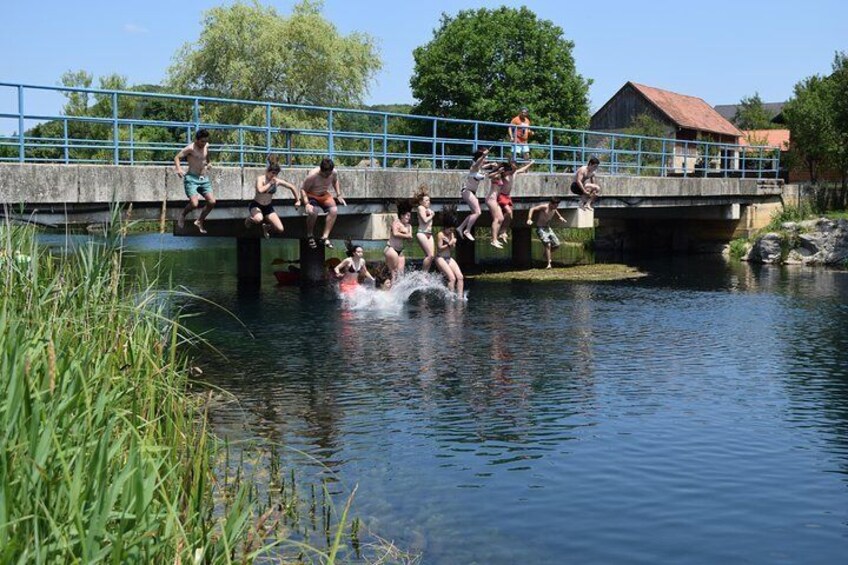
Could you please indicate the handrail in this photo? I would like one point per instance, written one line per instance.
(627, 153)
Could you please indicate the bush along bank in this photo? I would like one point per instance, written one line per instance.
(105, 455)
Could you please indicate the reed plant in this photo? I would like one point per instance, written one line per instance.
(105, 456)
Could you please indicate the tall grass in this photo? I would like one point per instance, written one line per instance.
(104, 456)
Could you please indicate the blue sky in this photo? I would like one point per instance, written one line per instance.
(718, 50)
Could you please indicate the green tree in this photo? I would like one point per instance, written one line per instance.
(251, 52)
(809, 117)
(752, 114)
(486, 64)
(77, 104)
(650, 149)
(839, 107)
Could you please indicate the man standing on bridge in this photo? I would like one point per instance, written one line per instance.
(196, 181)
(519, 134)
(316, 193)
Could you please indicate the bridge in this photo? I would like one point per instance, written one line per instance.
(58, 169)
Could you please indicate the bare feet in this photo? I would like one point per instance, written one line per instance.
(200, 227)
(467, 235)
(549, 266)
(504, 237)
(266, 231)
(496, 243)
(181, 221)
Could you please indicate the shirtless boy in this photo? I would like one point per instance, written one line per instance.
(315, 192)
(584, 184)
(196, 181)
(543, 228)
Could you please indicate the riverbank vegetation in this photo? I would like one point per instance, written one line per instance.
(106, 455)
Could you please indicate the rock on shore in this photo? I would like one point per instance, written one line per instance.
(812, 242)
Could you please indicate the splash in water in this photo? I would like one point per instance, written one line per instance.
(393, 300)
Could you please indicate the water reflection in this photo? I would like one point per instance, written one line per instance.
(700, 412)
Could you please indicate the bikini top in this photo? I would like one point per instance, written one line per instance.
(353, 269)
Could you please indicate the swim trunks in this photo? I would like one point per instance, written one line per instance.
(196, 184)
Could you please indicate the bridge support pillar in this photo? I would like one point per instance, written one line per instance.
(311, 263)
(465, 256)
(248, 263)
(521, 247)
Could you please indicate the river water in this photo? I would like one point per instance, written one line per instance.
(697, 415)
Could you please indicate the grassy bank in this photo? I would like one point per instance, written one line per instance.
(596, 272)
(105, 455)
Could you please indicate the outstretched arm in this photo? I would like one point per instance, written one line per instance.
(525, 168)
(475, 166)
(293, 190)
(532, 211)
(341, 266)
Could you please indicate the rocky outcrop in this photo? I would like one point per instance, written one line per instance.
(766, 249)
(813, 242)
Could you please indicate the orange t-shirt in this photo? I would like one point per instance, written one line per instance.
(521, 128)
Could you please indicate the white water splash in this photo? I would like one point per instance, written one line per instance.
(392, 301)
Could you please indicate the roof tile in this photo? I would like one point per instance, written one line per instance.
(688, 111)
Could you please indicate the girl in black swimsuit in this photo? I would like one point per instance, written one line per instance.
(446, 243)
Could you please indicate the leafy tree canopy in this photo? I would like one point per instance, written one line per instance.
(486, 64)
(249, 51)
(752, 114)
(817, 115)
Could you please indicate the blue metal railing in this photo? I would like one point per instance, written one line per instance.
(115, 130)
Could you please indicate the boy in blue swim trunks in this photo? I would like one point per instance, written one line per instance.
(196, 181)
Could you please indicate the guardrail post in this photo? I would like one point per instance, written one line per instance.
(241, 147)
(65, 140)
(639, 157)
(551, 150)
(613, 165)
(435, 129)
(132, 145)
(330, 142)
(583, 147)
(196, 113)
(385, 139)
(744, 152)
(21, 152)
(115, 139)
(662, 160)
(408, 154)
(476, 136)
(267, 129)
(685, 159)
(288, 148)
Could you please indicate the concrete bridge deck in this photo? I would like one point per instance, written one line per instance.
(68, 194)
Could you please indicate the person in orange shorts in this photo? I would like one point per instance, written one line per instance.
(315, 192)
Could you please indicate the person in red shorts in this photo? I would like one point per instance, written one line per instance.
(501, 205)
